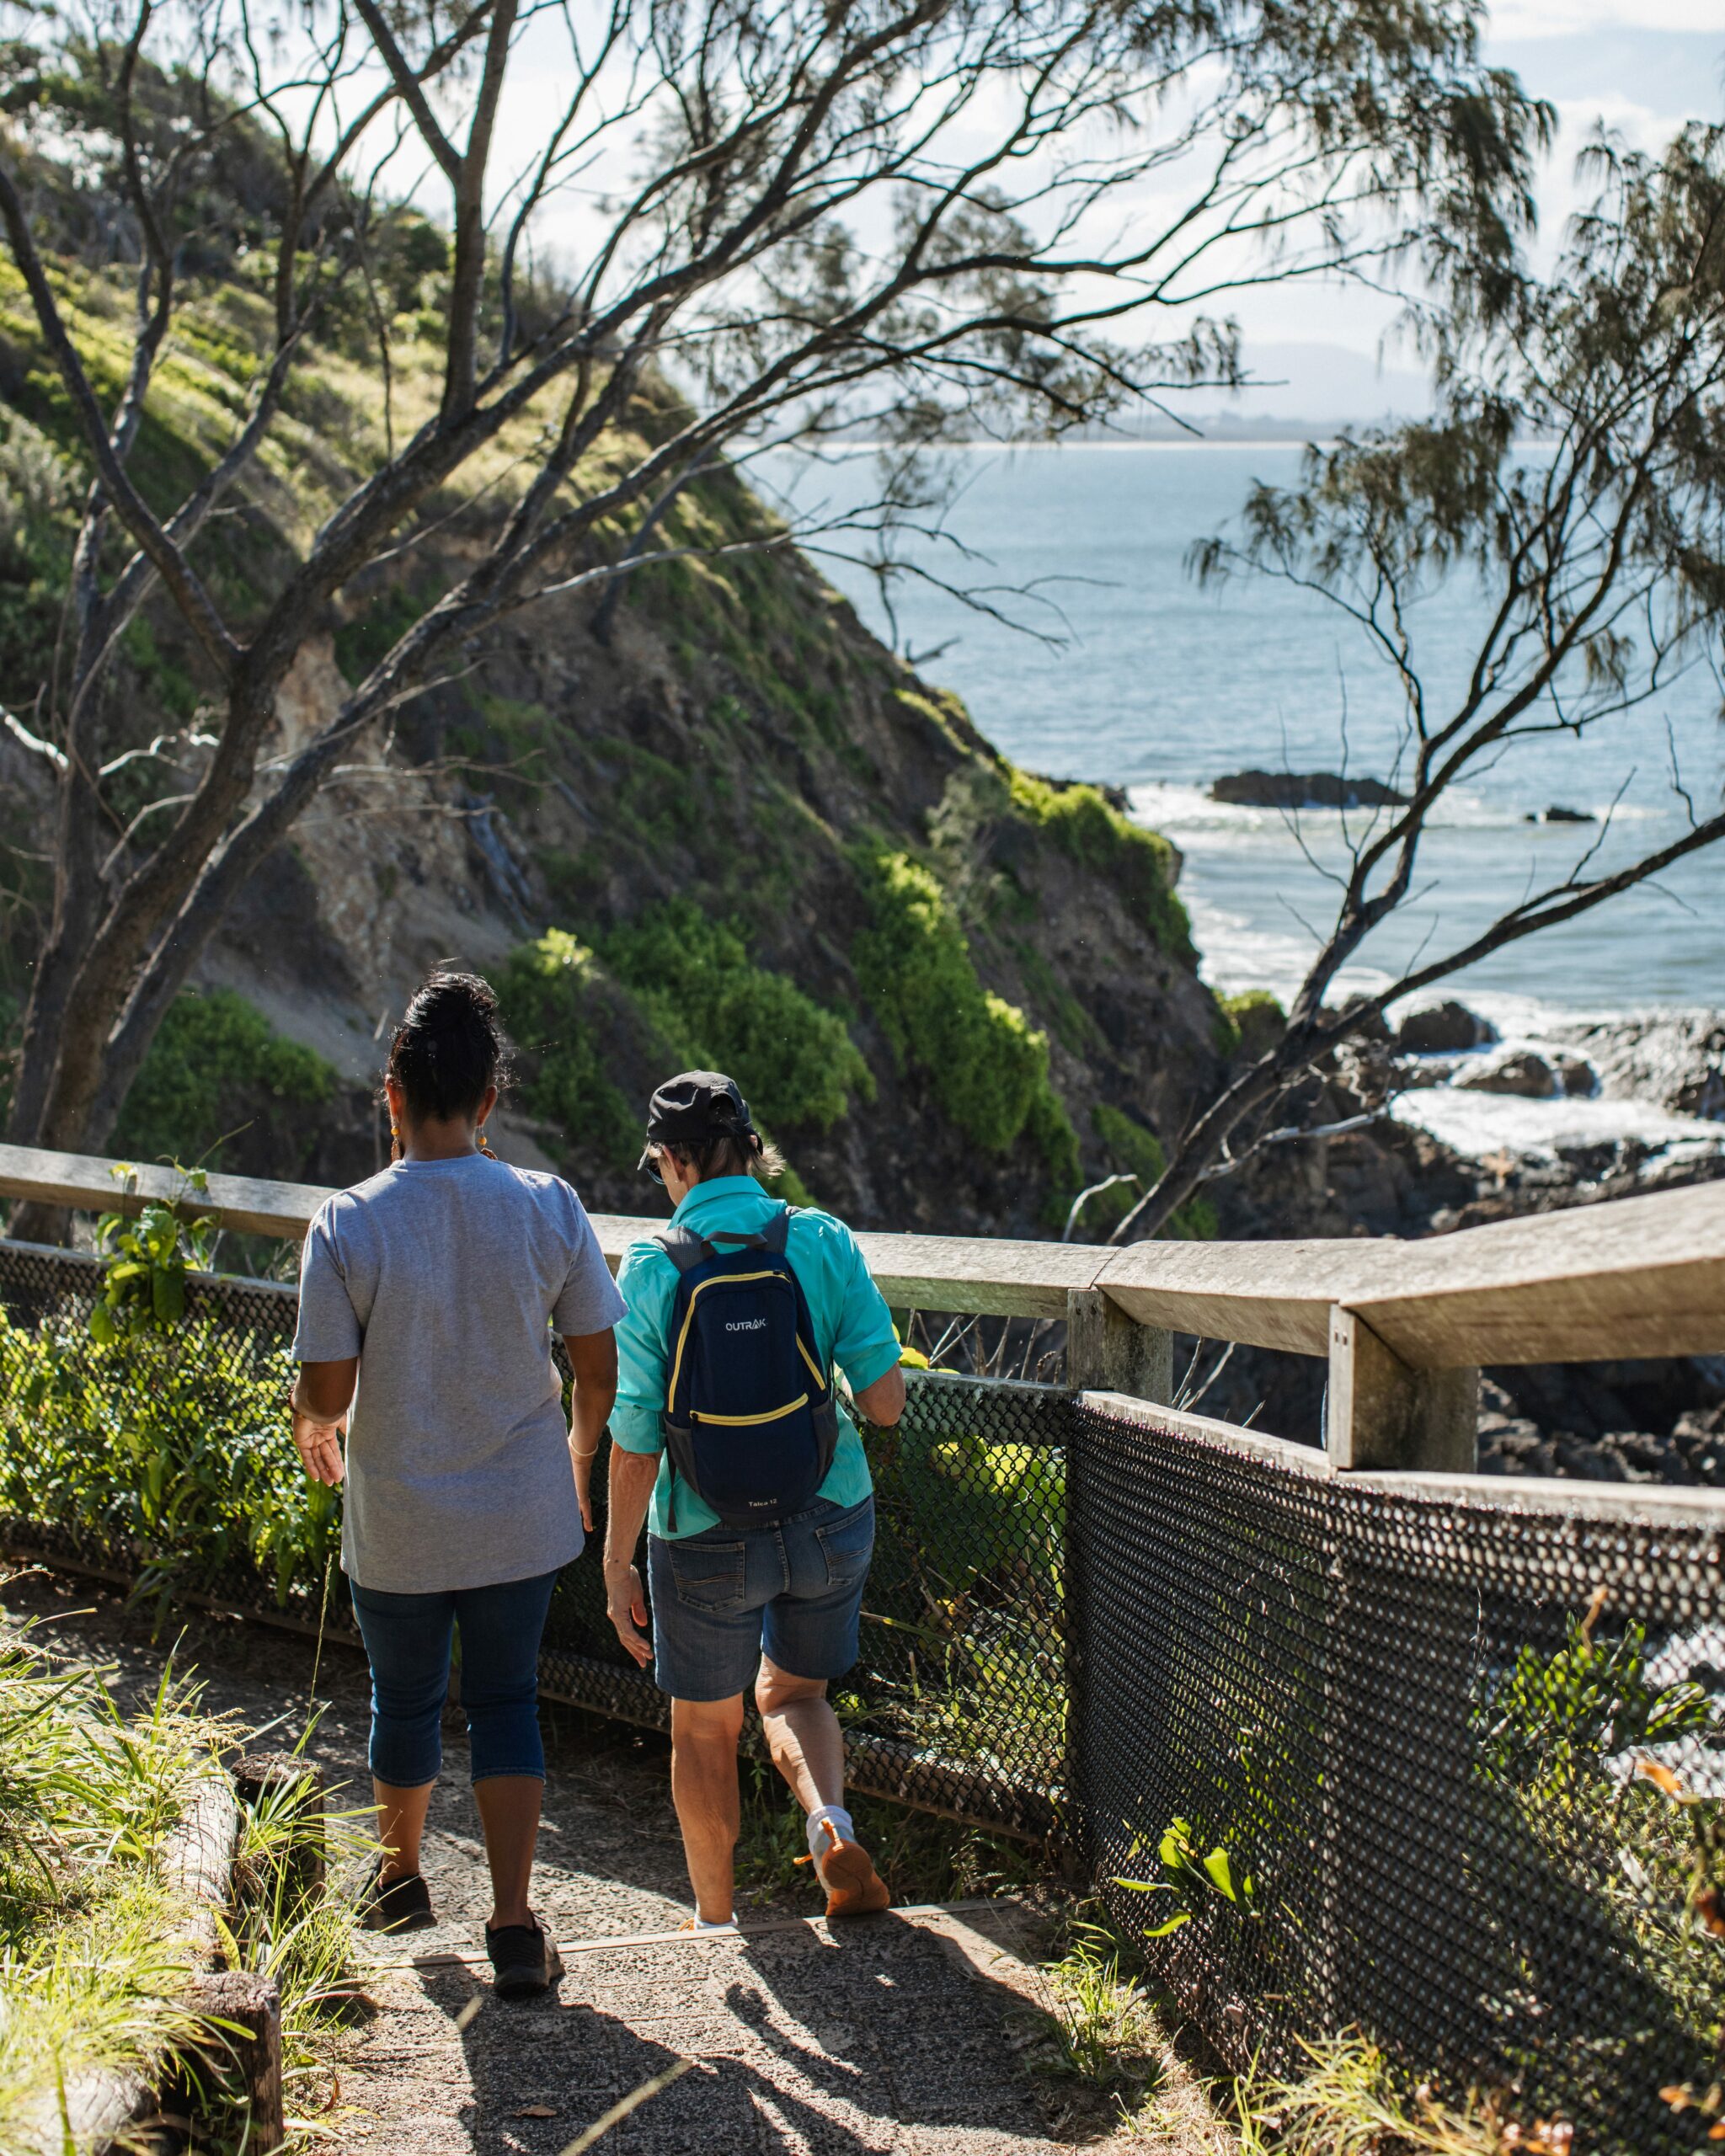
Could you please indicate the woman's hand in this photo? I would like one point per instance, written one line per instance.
(627, 1607)
(319, 1444)
(322, 1395)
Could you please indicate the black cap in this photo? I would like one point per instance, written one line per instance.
(693, 1108)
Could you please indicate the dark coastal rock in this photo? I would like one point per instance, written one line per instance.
(1607, 1422)
(1556, 814)
(1443, 1029)
(1576, 1076)
(1520, 1072)
(1303, 790)
(1676, 1059)
(1260, 1025)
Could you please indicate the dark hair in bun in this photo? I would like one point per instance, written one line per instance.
(448, 1048)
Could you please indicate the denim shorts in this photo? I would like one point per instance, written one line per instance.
(721, 1598)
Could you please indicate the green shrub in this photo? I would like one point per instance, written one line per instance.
(553, 999)
(693, 975)
(1253, 1020)
(565, 1006)
(96, 1930)
(987, 1064)
(1088, 829)
(166, 1442)
(216, 1067)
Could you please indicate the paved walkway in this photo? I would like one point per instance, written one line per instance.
(892, 2033)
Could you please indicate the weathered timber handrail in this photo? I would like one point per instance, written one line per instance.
(1636, 1277)
(1567, 1497)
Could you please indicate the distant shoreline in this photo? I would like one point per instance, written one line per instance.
(1296, 437)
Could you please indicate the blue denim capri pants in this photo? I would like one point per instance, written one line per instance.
(407, 1640)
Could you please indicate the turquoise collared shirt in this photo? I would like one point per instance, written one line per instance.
(853, 1330)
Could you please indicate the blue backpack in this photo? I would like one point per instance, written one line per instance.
(749, 1420)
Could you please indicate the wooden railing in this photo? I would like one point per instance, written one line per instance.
(1405, 1325)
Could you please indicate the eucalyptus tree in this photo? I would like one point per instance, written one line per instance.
(1575, 468)
(929, 216)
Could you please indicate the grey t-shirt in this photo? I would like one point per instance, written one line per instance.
(447, 1279)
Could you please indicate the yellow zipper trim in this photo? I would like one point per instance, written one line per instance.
(748, 1422)
(815, 1368)
(676, 1368)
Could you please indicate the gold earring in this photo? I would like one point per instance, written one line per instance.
(394, 1140)
(483, 1143)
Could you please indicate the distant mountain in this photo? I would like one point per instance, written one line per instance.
(1298, 388)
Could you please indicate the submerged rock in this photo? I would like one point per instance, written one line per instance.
(1442, 1029)
(1305, 790)
(1520, 1071)
(1556, 814)
(1578, 1079)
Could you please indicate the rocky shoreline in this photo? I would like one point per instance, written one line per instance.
(1575, 1113)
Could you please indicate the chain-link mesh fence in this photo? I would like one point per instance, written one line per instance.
(1444, 1771)
(163, 1462)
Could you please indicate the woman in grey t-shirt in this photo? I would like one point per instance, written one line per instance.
(428, 1297)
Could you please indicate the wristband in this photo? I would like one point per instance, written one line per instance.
(594, 1455)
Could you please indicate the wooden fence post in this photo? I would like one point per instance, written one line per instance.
(1108, 1352)
(244, 2012)
(1383, 1413)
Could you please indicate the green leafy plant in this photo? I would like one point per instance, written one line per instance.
(561, 1010)
(1194, 1879)
(148, 1258)
(1132, 1150)
(1553, 1717)
(167, 1447)
(1251, 1019)
(92, 1952)
(1105, 2023)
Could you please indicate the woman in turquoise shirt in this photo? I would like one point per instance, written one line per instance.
(778, 1605)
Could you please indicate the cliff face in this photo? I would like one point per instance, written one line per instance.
(740, 833)
(721, 823)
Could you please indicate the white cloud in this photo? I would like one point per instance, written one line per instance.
(1566, 18)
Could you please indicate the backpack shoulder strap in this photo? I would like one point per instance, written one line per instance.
(684, 1248)
(777, 1230)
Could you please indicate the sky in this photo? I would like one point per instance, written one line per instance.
(1643, 66)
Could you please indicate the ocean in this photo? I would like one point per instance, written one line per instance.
(1157, 686)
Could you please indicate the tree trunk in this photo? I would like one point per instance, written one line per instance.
(1265, 1080)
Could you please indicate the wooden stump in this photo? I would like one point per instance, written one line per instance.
(291, 1789)
(243, 2051)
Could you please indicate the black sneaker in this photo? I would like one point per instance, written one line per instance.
(524, 1959)
(404, 1905)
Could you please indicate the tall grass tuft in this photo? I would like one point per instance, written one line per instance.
(93, 1940)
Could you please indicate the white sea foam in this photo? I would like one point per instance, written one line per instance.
(1478, 1124)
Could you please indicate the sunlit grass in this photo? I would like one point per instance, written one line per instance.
(95, 1945)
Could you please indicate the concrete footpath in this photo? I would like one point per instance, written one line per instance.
(899, 2032)
(891, 2033)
